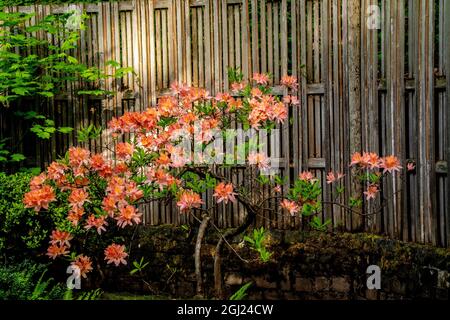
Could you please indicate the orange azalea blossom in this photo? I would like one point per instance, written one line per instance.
(390, 164)
(55, 171)
(290, 206)
(133, 192)
(37, 181)
(290, 82)
(189, 200)
(78, 156)
(224, 97)
(258, 159)
(333, 177)
(55, 250)
(410, 166)
(61, 238)
(161, 178)
(97, 223)
(124, 150)
(307, 176)
(39, 198)
(75, 215)
(163, 160)
(261, 78)
(371, 192)
(78, 197)
(256, 92)
(121, 168)
(127, 215)
(224, 192)
(277, 189)
(238, 86)
(84, 264)
(291, 100)
(109, 204)
(167, 106)
(116, 254)
(99, 164)
(234, 105)
(366, 160)
(278, 112)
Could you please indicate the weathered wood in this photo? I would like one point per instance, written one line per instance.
(361, 89)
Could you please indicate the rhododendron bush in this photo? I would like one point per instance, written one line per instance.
(173, 152)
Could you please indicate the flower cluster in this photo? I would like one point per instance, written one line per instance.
(371, 168)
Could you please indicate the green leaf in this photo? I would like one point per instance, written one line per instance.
(65, 129)
(17, 157)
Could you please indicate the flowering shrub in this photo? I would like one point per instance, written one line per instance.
(157, 163)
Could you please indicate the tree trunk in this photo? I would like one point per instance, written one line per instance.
(198, 258)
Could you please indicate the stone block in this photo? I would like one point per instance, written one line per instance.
(262, 282)
(340, 284)
(303, 284)
(233, 279)
(321, 283)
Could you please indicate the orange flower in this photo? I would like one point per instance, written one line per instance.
(97, 162)
(55, 171)
(163, 160)
(61, 238)
(39, 198)
(124, 150)
(290, 82)
(98, 223)
(366, 160)
(261, 78)
(278, 112)
(410, 166)
(371, 192)
(332, 177)
(189, 200)
(290, 206)
(116, 254)
(127, 215)
(238, 86)
(371, 159)
(307, 176)
(78, 197)
(258, 159)
(224, 192)
(75, 215)
(78, 156)
(109, 205)
(277, 189)
(38, 181)
(133, 192)
(390, 164)
(356, 159)
(54, 251)
(84, 264)
(291, 100)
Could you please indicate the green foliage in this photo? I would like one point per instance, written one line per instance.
(89, 133)
(88, 295)
(197, 184)
(25, 281)
(139, 266)
(257, 243)
(22, 229)
(316, 223)
(6, 155)
(35, 69)
(242, 292)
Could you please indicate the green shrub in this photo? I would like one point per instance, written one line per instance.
(23, 232)
(27, 281)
